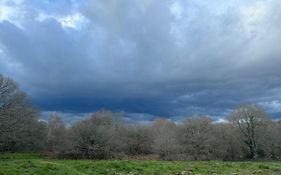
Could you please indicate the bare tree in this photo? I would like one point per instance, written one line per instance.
(139, 139)
(270, 141)
(13, 105)
(249, 118)
(91, 137)
(195, 136)
(165, 141)
(19, 125)
(56, 137)
(225, 142)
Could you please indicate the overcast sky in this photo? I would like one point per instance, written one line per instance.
(145, 58)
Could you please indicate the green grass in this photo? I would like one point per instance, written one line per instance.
(34, 164)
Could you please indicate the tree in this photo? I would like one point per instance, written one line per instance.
(13, 105)
(223, 142)
(56, 137)
(249, 119)
(19, 126)
(270, 141)
(165, 141)
(139, 140)
(91, 137)
(195, 136)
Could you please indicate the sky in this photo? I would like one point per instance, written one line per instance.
(144, 58)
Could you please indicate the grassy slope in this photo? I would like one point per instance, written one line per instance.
(32, 164)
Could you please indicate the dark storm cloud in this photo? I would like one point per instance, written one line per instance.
(165, 58)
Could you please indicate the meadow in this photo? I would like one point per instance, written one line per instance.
(34, 164)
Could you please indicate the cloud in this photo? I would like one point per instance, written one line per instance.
(272, 106)
(160, 58)
(68, 118)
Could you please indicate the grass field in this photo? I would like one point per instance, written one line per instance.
(33, 164)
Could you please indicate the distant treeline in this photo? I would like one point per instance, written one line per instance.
(249, 133)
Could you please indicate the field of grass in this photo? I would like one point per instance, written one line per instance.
(33, 164)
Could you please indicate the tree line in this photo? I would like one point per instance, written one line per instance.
(249, 133)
